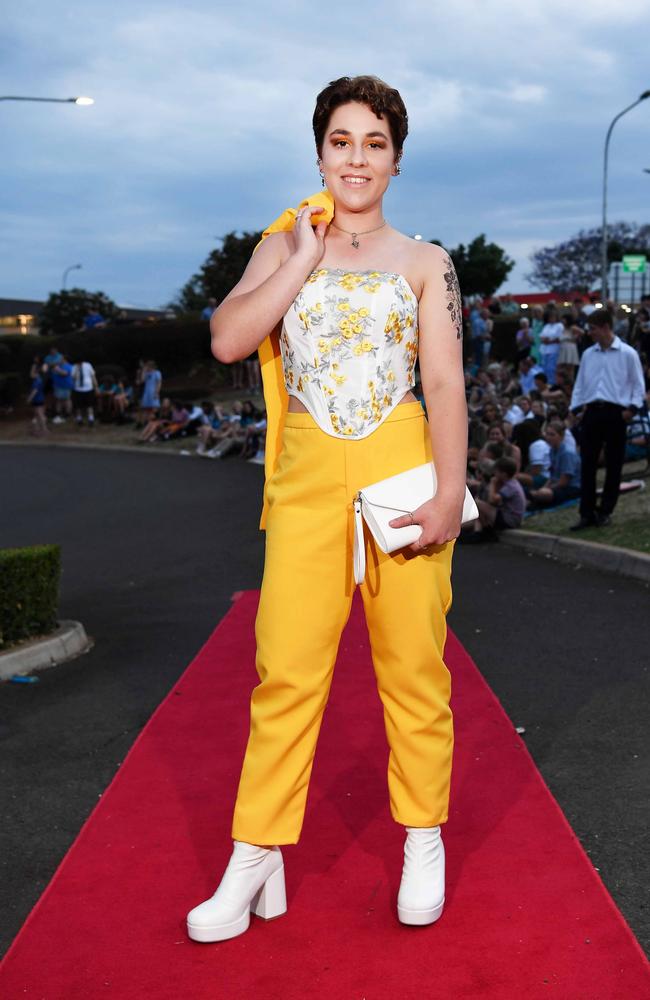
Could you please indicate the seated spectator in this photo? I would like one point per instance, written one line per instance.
(197, 417)
(524, 433)
(121, 400)
(638, 437)
(526, 372)
(176, 425)
(159, 420)
(254, 436)
(564, 479)
(519, 410)
(497, 435)
(234, 435)
(105, 393)
(538, 466)
(211, 432)
(504, 505)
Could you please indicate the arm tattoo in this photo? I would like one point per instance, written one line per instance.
(454, 306)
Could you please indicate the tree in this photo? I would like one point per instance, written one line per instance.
(481, 267)
(64, 311)
(220, 272)
(575, 264)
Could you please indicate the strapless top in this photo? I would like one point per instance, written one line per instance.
(349, 343)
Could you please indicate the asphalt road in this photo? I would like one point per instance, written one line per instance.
(153, 548)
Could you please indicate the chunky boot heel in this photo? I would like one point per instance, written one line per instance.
(271, 900)
(421, 896)
(253, 882)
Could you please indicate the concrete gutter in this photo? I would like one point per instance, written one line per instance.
(609, 558)
(69, 640)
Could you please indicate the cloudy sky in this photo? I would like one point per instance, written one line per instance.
(202, 125)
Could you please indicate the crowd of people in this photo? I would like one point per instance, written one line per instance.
(64, 389)
(576, 393)
(539, 428)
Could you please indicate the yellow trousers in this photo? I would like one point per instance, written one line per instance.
(305, 602)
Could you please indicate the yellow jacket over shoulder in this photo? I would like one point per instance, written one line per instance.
(276, 398)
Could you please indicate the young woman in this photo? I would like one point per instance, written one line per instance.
(351, 304)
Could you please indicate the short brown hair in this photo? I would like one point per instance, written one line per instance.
(600, 317)
(369, 90)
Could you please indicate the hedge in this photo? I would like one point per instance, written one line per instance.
(174, 345)
(29, 592)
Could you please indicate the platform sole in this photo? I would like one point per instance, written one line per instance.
(420, 917)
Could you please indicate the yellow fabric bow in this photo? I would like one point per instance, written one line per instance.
(276, 397)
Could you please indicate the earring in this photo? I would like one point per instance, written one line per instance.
(322, 180)
(398, 169)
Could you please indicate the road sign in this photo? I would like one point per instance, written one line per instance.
(634, 263)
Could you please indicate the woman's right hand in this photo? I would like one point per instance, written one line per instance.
(309, 242)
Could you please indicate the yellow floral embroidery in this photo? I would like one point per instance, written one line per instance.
(354, 359)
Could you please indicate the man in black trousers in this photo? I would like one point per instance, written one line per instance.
(611, 388)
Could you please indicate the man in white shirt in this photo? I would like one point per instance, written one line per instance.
(84, 387)
(611, 387)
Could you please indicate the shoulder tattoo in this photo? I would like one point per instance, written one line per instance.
(454, 302)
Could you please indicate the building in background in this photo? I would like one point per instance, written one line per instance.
(21, 315)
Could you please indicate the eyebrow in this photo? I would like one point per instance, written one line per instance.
(344, 131)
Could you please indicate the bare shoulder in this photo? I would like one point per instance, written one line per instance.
(432, 260)
(278, 246)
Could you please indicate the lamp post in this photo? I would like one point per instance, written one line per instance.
(73, 267)
(53, 100)
(603, 268)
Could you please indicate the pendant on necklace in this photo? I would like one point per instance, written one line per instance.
(355, 241)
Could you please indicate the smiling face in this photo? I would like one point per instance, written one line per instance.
(358, 156)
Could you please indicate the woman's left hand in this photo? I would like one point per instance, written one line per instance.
(440, 519)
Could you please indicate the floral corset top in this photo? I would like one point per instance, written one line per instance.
(349, 343)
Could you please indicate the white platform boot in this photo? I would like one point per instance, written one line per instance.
(253, 881)
(421, 896)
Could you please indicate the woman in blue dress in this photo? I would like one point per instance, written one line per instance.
(151, 381)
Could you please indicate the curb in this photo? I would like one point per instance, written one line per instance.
(87, 446)
(609, 558)
(69, 640)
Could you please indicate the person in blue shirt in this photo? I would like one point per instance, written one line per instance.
(92, 319)
(206, 313)
(478, 329)
(564, 480)
(62, 388)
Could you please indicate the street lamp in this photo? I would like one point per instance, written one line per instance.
(603, 274)
(53, 100)
(73, 267)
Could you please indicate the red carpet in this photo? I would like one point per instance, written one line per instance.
(527, 916)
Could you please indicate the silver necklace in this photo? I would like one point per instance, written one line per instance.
(355, 241)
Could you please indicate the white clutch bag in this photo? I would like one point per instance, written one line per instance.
(389, 498)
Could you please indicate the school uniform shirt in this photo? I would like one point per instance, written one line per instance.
(565, 462)
(613, 374)
(527, 381)
(513, 506)
(62, 379)
(82, 377)
(539, 453)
